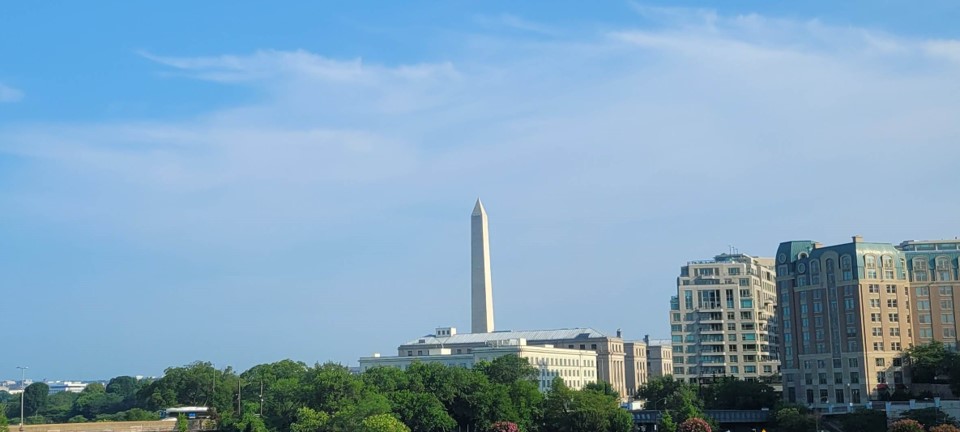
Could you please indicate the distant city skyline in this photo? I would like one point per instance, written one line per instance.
(243, 184)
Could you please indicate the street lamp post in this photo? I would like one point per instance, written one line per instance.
(23, 391)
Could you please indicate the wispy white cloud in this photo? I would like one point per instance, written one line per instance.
(9, 94)
(650, 144)
(517, 23)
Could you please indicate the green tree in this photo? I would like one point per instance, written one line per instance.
(125, 388)
(508, 369)
(602, 387)
(863, 420)
(566, 410)
(792, 420)
(182, 424)
(929, 361)
(666, 393)
(59, 406)
(35, 398)
(422, 412)
(732, 393)
(906, 425)
(929, 416)
(3, 420)
(309, 420)
(667, 424)
(382, 423)
(196, 384)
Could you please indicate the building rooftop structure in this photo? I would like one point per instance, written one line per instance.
(531, 335)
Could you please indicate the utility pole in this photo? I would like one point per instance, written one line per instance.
(23, 391)
(261, 397)
(239, 399)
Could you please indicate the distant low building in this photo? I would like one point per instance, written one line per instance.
(66, 386)
(576, 367)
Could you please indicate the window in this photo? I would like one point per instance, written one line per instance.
(880, 362)
(848, 304)
(875, 303)
(855, 396)
(878, 346)
(870, 263)
(946, 318)
(853, 362)
(946, 304)
(923, 305)
(949, 332)
(875, 317)
(877, 331)
(893, 317)
(926, 333)
(891, 289)
(808, 378)
(924, 318)
(817, 307)
(851, 331)
(891, 303)
(895, 346)
(846, 267)
(923, 291)
(946, 290)
(822, 377)
(854, 377)
(894, 331)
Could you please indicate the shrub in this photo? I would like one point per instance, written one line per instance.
(906, 425)
(945, 428)
(504, 426)
(694, 424)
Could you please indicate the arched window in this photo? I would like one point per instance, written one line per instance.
(814, 271)
(830, 269)
(944, 272)
(846, 266)
(887, 261)
(920, 270)
(870, 264)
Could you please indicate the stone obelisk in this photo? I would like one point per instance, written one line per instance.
(481, 304)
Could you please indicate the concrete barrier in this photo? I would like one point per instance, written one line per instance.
(134, 426)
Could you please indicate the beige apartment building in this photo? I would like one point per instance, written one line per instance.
(846, 320)
(722, 320)
(576, 367)
(934, 288)
(611, 358)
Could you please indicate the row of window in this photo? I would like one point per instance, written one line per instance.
(924, 291)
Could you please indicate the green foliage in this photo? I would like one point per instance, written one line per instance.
(667, 424)
(504, 426)
(566, 410)
(792, 420)
(928, 361)
(422, 412)
(863, 420)
(666, 393)
(3, 420)
(732, 393)
(382, 423)
(182, 424)
(76, 419)
(309, 420)
(906, 425)
(602, 387)
(35, 398)
(694, 424)
(929, 416)
(508, 369)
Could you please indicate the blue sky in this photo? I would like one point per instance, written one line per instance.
(228, 182)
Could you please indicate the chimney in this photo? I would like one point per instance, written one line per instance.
(619, 333)
(858, 239)
(817, 245)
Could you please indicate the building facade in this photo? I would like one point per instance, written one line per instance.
(845, 320)
(934, 288)
(576, 367)
(659, 357)
(609, 350)
(722, 320)
(636, 365)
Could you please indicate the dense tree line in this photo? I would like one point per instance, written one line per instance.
(501, 395)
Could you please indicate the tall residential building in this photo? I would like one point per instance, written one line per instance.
(846, 320)
(722, 320)
(934, 289)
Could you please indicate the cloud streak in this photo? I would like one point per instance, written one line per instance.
(9, 94)
(606, 161)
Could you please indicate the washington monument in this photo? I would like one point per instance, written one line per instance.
(481, 304)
